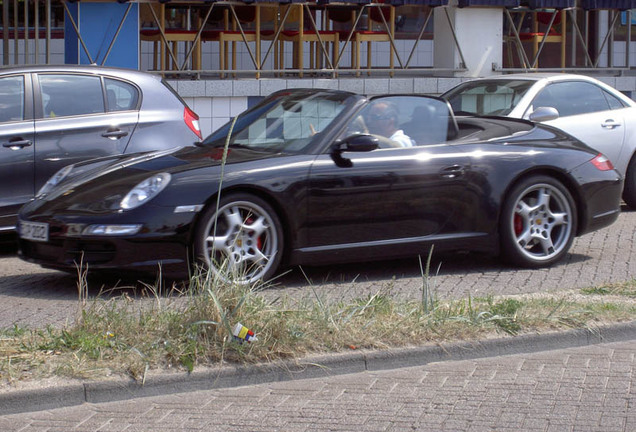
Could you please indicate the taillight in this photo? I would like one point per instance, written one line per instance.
(192, 120)
(602, 163)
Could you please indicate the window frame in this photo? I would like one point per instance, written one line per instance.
(27, 114)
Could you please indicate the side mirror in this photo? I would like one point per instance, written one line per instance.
(357, 143)
(353, 143)
(542, 114)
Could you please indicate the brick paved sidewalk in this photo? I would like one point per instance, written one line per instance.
(592, 388)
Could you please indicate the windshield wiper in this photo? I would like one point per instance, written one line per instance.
(241, 146)
(232, 145)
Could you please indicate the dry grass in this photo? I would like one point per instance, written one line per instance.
(194, 328)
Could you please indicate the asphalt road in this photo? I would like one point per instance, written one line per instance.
(35, 297)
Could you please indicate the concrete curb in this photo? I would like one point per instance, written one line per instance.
(311, 367)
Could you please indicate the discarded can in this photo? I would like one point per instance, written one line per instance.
(242, 333)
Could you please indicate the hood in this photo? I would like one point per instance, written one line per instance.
(174, 161)
(97, 185)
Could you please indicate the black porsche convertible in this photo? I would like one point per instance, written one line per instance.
(312, 176)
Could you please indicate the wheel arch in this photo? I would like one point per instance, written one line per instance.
(563, 178)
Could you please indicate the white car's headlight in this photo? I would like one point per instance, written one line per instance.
(54, 181)
(145, 191)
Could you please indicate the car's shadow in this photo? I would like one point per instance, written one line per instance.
(65, 286)
(445, 264)
(8, 246)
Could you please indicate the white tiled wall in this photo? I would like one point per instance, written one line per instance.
(619, 54)
(214, 112)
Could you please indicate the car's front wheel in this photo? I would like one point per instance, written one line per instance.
(538, 222)
(240, 242)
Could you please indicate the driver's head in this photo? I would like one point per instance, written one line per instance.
(382, 118)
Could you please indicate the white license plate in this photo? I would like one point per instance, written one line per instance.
(34, 231)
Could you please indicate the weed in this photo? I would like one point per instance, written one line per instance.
(428, 285)
(624, 289)
(118, 335)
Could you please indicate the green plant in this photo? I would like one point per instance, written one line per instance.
(625, 289)
(428, 284)
(185, 328)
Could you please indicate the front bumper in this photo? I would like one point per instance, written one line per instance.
(160, 246)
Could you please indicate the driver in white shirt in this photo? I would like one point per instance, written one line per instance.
(382, 119)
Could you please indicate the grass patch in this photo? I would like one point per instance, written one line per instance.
(624, 289)
(194, 327)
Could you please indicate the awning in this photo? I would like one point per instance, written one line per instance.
(488, 3)
(549, 4)
(608, 4)
(429, 3)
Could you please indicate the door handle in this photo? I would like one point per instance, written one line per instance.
(17, 143)
(452, 171)
(610, 124)
(114, 133)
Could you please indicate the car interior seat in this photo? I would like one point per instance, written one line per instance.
(53, 108)
(12, 108)
(430, 125)
(112, 100)
(422, 128)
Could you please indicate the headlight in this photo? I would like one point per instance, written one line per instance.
(112, 230)
(145, 191)
(54, 181)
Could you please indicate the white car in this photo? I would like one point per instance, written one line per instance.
(584, 107)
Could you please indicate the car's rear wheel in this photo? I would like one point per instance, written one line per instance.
(538, 222)
(240, 242)
(629, 190)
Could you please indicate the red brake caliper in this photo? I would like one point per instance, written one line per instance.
(518, 224)
(259, 241)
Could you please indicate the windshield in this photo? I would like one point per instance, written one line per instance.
(287, 121)
(487, 97)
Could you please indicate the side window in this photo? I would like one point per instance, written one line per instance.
(403, 121)
(12, 99)
(120, 95)
(613, 101)
(546, 98)
(572, 98)
(70, 95)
